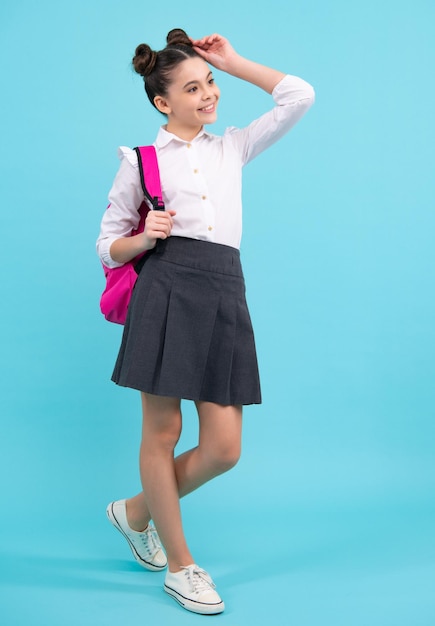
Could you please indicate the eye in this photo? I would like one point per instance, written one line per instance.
(192, 90)
(211, 81)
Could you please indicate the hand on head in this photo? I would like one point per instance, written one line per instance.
(216, 50)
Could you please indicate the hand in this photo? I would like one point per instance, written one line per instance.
(158, 225)
(216, 50)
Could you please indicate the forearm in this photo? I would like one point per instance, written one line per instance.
(158, 225)
(264, 77)
(217, 50)
(126, 248)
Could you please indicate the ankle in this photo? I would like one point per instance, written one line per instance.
(137, 520)
(175, 566)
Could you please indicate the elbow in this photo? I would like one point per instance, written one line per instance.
(309, 96)
(312, 95)
(103, 251)
(306, 99)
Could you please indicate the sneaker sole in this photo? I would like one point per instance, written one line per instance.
(146, 564)
(195, 607)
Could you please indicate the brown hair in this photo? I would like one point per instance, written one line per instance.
(156, 67)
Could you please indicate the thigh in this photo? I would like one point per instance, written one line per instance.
(161, 417)
(220, 426)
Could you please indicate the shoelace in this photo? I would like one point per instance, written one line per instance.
(150, 540)
(199, 579)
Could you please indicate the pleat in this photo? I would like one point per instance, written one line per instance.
(188, 332)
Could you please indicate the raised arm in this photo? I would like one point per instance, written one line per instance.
(293, 96)
(218, 51)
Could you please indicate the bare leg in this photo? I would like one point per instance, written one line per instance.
(218, 450)
(160, 432)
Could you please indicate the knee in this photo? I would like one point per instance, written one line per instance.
(161, 426)
(161, 440)
(224, 458)
(165, 440)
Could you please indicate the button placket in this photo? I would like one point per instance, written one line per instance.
(202, 189)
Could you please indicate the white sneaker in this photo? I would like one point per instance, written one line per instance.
(193, 588)
(145, 545)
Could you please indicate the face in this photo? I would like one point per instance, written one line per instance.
(192, 99)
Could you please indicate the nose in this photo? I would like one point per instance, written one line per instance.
(207, 93)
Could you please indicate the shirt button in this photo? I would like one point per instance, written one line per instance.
(195, 171)
(204, 197)
(210, 228)
(188, 145)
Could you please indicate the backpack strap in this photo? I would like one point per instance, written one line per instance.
(149, 172)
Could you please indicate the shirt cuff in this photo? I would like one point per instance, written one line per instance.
(103, 250)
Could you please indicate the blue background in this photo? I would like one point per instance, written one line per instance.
(329, 517)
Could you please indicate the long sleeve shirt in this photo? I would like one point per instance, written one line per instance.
(202, 179)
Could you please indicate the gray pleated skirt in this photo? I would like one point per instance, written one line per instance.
(188, 332)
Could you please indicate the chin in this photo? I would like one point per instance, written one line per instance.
(212, 120)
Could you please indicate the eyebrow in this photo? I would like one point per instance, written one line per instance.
(193, 82)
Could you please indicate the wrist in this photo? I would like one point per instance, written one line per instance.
(235, 65)
(147, 243)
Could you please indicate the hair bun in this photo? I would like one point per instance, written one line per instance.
(177, 37)
(144, 59)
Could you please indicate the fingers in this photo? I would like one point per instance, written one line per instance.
(204, 41)
(216, 50)
(158, 224)
(207, 42)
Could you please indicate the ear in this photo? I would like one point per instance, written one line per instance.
(162, 105)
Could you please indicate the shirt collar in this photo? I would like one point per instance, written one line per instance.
(164, 137)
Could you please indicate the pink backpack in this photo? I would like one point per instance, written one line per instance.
(121, 280)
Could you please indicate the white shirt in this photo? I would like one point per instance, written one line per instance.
(202, 179)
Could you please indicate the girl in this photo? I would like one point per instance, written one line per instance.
(188, 333)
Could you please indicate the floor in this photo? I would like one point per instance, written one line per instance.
(348, 563)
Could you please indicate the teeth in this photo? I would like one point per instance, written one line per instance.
(209, 108)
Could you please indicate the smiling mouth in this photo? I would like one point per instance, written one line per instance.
(208, 109)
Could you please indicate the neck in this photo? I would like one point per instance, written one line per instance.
(186, 134)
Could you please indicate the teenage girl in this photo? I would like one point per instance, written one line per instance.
(188, 332)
